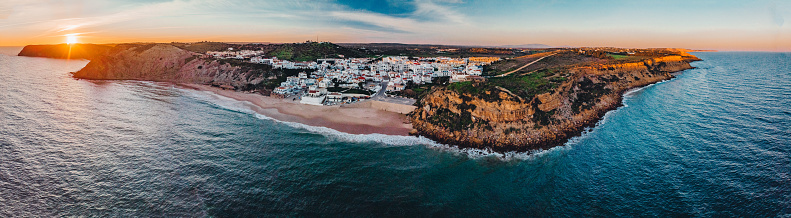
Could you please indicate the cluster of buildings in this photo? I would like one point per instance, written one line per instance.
(231, 54)
(391, 73)
(276, 63)
(258, 57)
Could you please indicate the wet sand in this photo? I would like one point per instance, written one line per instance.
(344, 119)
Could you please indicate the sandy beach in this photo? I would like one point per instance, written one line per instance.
(344, 119)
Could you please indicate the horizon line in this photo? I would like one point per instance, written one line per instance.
(434, 44)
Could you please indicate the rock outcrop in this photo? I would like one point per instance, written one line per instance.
(502, 121)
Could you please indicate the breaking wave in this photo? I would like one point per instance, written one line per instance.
(388, 140)
(626, 96)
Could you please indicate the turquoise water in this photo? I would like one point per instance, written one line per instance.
(715, 141)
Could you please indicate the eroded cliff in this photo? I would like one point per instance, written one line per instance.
(552, 105)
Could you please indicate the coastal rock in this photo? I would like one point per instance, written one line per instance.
(510, 123)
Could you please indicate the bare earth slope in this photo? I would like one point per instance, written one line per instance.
(164, 62)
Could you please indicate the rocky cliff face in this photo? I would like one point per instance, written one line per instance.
(163, 62)
(502, 121)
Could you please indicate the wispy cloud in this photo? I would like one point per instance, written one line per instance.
(611, 23)
(428, 15)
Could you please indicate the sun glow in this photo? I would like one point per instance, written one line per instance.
(71, 38)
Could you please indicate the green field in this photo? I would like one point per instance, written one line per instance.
(525, 86)
(616, 57)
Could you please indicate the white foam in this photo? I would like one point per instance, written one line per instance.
(626, 95)
(387, 140)
(630, 93)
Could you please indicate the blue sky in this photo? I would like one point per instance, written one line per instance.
(703, 24)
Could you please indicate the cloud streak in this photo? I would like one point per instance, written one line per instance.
(471, 22)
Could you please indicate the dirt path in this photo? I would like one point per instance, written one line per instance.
(523, 67)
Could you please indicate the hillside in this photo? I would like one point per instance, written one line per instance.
(308, 51)
(164, 62)
(312, 51)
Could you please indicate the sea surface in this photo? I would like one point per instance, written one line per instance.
(715, 141)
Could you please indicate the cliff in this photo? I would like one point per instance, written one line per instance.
(157, 62)
(163, 62)
(66, 51)
(538, 110)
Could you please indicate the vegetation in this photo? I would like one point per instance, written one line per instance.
(191, 58)
(587, 95)
(336, 89)
(528, 85)
(511, 130)
(144, 47)
(358, 91)
(502, 66)
(453, 121)
(418, 91)
(310, 51)
(349, 90)
(540, 117)
(617, 56)
(203, 47)
(282, 74)
(525, 86)
(379, 49)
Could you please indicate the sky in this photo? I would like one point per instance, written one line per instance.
(755, 25)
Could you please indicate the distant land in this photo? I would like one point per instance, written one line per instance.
(534, 97)
(530, 46)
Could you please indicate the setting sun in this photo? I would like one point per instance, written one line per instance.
(71, 38)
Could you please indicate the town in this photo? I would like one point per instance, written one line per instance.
(334, 81)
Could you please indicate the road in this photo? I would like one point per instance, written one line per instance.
(523, 67)
(380, 96)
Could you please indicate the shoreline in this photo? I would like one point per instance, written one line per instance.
(351, 120)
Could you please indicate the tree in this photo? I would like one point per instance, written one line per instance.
(410, 93)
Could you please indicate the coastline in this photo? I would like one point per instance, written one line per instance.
(344, 119)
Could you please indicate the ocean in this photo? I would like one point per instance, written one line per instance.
(714, 141)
